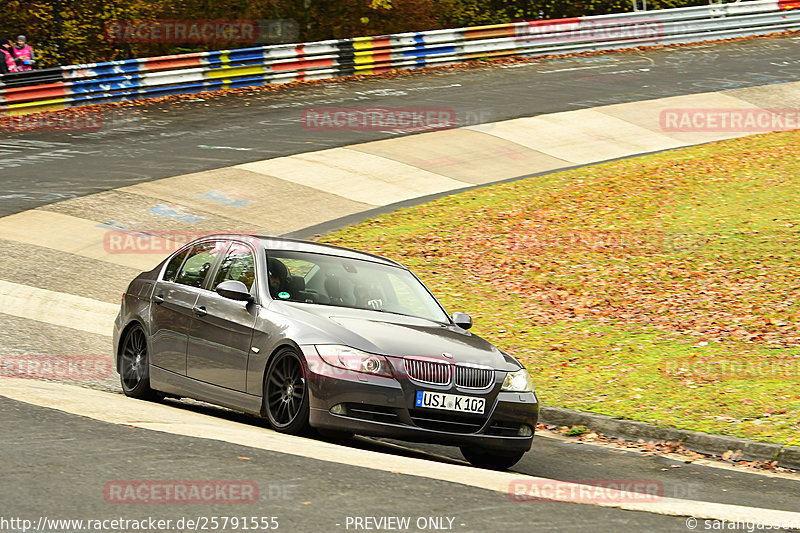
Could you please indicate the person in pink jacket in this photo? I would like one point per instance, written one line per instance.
(7, 58)
(24, 54)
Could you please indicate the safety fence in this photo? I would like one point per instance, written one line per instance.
(115, 81)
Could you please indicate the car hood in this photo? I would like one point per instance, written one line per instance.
(397, 335)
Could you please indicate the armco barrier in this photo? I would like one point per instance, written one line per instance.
(207, 71)
(32, 77)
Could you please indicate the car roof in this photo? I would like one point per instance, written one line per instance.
(296, 245)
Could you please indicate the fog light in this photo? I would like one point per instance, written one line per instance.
(525, 431)
(339, 409)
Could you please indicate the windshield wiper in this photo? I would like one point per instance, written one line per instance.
(401, 314)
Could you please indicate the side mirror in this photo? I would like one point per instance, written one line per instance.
(235, 290)
(462, 320)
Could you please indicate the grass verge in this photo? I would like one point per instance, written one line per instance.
(663, 288)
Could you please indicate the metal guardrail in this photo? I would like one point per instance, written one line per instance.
(77, 85)
(32, 77)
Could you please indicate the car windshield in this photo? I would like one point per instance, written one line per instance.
(345, 282)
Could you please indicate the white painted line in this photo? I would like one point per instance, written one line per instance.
(118, 409)
(210, 147)
(57, 308)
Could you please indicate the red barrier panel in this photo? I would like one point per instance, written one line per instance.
(382, 57)
(173, 62)
(537, 27)
(36, 92)
(489, 32)
(788, 4)
(378, 42)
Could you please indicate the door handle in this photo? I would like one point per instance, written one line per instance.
(200, 311)
(158, 298)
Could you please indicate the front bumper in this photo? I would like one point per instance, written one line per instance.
(384, 407)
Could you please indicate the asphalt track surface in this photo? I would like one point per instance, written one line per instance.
(56, 464)
(74, 485)
(157, 141)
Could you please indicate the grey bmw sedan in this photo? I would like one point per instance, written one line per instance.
(312, 336)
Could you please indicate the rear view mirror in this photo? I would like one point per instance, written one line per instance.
(462, 320)
(235, 290)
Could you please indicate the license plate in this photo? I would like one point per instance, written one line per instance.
(450, 402)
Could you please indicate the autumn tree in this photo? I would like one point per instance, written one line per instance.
(73, 31)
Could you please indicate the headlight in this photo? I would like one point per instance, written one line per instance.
(355, 360)
(519, 381)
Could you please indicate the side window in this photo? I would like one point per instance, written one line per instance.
(174, 265)
(199, 262)
(287, 278)
(238, 265)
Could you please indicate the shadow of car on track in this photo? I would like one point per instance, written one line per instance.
(357, 442)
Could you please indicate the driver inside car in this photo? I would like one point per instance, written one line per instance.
(367, 297)
(278, 278)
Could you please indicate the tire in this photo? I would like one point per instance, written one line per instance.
(286, 394)
(134, 366)
(490, 460)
